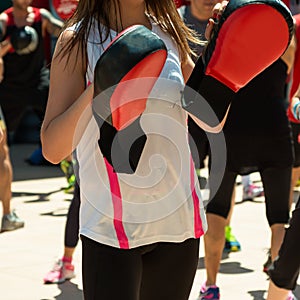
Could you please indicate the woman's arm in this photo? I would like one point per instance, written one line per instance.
(187, 69)
(68, 99)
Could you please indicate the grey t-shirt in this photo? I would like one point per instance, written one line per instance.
(197, 25)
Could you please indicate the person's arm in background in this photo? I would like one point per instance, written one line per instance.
(295, 105)
(50, 24)
(289, 55)
(4, 45)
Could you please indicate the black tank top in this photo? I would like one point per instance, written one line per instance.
(257, 130)
(27, 70)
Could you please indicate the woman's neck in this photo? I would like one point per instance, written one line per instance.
(130, 15)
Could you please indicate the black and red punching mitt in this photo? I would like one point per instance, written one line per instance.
(123, 79)
(248, 37)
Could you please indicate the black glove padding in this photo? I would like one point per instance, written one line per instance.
(250, 35)
(123, 79)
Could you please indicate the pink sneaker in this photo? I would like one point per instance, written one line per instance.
(61, 272)
(209, 292)
(291, 296)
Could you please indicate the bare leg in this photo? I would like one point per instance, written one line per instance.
(278, 232)
(295, 177)
(5, 175)
(214, 243)
(68, 252)
(276, 293)
(232, 206)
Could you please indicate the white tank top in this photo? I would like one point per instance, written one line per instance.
(161, 201)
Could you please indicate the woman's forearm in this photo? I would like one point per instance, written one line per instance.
(60, 135)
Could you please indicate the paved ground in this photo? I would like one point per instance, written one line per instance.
(27, 254)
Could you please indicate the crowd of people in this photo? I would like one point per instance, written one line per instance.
(127, 227)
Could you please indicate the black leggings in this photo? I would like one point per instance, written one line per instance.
(72, 224)
(158, 271)
(285, 270)
(276, 183)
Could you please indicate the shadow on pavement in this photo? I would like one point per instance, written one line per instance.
(226, 267)
(59, 212)
(257, 295)
(38, 196)
(233, 268)
(69, 291)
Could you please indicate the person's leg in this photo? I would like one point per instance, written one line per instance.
(276, 182)
(295, 178)
(284, 271)
(276, 293)
(72, 225)
(214, 244)
(296, 168)
(110, 273)
(231, 243)
(217, 212)
(10, 221)
(169, 270)
(250, 190)
(6, 175)
(63, 268)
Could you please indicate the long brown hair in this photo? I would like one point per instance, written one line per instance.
(164, 12)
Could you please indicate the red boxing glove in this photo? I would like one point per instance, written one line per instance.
(123, 79)
(249, 36)
(180, 3)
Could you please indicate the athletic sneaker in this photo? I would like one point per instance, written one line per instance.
(231, 243)
(11, 222)
(209, 293)
(291, 296)
(202, 179)
(268, 262)
(67, 167)
(61, 272)
(252, 191)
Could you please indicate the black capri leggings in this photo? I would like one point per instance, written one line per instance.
(285, 270)
(158, 271)
(72, 224)
(276, 183)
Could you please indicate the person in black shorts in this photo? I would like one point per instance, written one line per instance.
(258, 138)
(24, 81)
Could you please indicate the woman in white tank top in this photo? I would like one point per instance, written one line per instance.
(140, 231)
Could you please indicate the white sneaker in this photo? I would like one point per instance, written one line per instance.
(11, 222)
(291, 296)
(252, 191)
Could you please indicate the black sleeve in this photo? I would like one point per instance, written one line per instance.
(205, 97)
